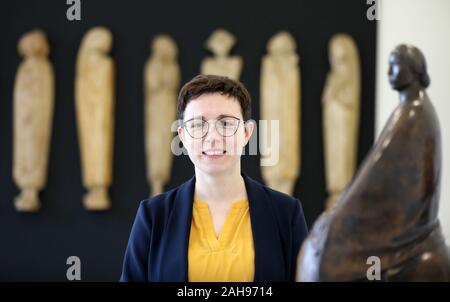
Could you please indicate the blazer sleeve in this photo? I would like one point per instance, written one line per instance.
(299, 233)
(135, 263)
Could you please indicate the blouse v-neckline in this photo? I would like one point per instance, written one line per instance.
(229, 227)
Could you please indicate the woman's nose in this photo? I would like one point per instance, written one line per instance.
(212, 133)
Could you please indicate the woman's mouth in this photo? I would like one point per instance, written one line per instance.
(214, 154)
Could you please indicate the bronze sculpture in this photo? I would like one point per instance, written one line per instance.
(390, 208)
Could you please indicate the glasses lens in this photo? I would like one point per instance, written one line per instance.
(196, 128)
(227, 126)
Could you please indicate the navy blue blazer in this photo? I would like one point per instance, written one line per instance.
(158, 245)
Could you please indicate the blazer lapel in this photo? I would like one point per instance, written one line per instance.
(269, 260)
(174, 262)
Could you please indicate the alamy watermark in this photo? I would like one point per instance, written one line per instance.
(74, 271)
(373, 12)
(74, 11)
(374, 271)
(265, 139)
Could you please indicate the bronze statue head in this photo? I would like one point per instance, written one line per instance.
(407, 65)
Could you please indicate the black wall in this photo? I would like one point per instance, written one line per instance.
(34, 247)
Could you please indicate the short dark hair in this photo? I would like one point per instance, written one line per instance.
(416, 61)
(204, 84)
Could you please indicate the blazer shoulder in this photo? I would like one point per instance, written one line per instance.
(288, 208)
(280, 199)
(159, 204)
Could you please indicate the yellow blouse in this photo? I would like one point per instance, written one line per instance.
(227, 258)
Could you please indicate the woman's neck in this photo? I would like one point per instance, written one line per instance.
(220, 189)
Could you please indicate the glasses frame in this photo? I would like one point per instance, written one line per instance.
(215, 125)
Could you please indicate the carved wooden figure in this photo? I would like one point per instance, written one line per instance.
(280, 101)
(390, 208)
(341, 102)
(33, 111)
(94, 89)
(162, 79)
(220, 44)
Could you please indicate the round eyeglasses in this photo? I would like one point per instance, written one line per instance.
(198, 128)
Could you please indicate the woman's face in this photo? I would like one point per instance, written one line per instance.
(214, 153)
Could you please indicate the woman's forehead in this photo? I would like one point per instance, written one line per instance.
(212, 106)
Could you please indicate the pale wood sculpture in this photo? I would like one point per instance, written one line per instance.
(162, 79)
(33, 111)
(220, 44)
(94, 88)
(280, 101)
(341, 103)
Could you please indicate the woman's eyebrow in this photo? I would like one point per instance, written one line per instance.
(201, 117)
(196, 117)
(226, 115)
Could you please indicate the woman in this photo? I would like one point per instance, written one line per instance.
(220, 225)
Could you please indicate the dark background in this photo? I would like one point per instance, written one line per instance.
(34, 247)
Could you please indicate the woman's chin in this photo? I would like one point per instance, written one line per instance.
(215, 167)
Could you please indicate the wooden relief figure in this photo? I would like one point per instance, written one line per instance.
(94, 89)
(340, 101)
(220, 44)
(280, 101)
(162, 79)
(390, 208)
(33, 111)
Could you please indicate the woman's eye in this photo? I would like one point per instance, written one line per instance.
(226, 123)
(197, 125)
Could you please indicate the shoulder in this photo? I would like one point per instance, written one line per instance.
(287, 210)
(279, 201)
(208, 61)
(159, 205)
(266, 60)
(237, 60)
(282, 201)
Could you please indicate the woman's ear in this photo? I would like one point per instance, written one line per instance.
(249, 126)
(181, 134)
